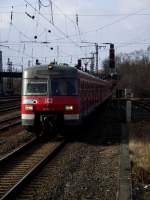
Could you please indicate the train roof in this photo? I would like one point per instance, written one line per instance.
(48, 67)
(42, 70)
(57, 70)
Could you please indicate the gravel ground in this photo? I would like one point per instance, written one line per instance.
(13, 138)
(87, 167)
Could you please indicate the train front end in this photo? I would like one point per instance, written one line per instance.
(49, 99)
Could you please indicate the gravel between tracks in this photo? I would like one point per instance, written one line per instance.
(87, 172)
(13, 139)
(87, 168)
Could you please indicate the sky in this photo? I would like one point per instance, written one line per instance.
(69, 30)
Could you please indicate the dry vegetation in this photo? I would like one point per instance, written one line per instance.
(134, 71)
(139, 146)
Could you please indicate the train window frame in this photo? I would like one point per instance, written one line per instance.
(24, 90)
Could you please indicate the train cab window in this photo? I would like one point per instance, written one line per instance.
(64, 87)
(35, 87)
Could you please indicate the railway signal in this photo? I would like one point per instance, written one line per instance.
(112, 56)
(79, 65)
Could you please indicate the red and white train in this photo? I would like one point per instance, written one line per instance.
(55, 95)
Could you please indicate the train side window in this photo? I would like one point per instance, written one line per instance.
(71, 87)
(64, 87)
(55, 88)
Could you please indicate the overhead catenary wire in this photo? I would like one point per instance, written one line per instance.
(61, 31)
(135, 41)
(109, 24)
(65, 15)
(40, 2)
(75, 23)
(81, 15)
(115, 21)
(21, 33)
(56, 27)
(63, 43)
(37, 23)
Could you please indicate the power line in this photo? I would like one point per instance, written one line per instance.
(75, 24)
(134, 42)
(83, 15)
(109, 24)
(65, 15)
(40, 1)
(22, 33)
(19, 31)
(56, 27)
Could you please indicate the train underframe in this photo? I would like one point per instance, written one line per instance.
(45, 124)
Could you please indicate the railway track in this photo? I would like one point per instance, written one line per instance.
(9, 97)
(143, 104)
(88, 166)
(21, 165)
(141, 110)
(9, 103)
(9, 108)
(10, 122)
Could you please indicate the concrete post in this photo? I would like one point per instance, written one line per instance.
(128, 111)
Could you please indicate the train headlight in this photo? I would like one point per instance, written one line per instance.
(50, 66)
(68, 107)
(29, 107)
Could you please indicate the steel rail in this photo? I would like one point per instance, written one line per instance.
(18, 122)
(33, 171)
(17, 151)
(9, 119)
(9, 108)
(7, 123)
(10, 97)
(9, 101)
(145, 106)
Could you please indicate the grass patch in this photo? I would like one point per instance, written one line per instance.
(139, 147)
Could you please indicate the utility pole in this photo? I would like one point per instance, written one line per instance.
(97, 47)
(1, 70)
(57, 54)
(96, 52)
(10, 79)
(92, 62)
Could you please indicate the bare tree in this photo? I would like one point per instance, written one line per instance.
(134, 72)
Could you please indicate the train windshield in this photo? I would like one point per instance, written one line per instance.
(64, 87)
(35, 87)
